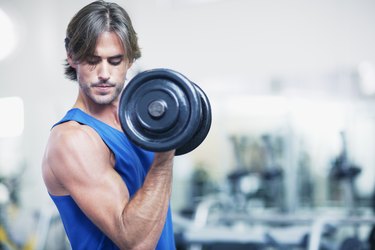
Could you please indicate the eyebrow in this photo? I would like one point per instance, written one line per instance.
(111, 57)
(116, 56)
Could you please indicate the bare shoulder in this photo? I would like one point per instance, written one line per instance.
(71, 131)
(72, 138)
(73, 151)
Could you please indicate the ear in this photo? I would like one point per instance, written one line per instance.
(71, 61)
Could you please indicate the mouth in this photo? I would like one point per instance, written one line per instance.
(103, 86)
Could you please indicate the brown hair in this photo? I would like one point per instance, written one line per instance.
(91, 21)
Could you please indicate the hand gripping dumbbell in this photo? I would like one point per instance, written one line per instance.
(161, 110)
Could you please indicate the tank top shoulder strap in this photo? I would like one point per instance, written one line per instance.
(77, 115)
(103, 129)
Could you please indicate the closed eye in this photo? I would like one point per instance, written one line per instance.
(116, 60)
(93, 60)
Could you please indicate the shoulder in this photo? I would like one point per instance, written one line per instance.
(74, 150)
(71, 131)
(74, 139)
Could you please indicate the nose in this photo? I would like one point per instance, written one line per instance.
(104, 71)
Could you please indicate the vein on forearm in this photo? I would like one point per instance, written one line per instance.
(146, 212)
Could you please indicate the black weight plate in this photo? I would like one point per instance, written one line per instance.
(204, 125)
(153, 131)
(158, 91)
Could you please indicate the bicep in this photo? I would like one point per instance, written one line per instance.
(85, 169)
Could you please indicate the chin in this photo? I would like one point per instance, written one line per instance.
(104, 101)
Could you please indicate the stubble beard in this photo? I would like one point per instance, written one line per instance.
(106, 99)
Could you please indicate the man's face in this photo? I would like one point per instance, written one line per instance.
(101, 76)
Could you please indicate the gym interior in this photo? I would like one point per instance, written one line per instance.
(289, 160)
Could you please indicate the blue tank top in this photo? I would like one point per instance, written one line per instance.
(132, 163)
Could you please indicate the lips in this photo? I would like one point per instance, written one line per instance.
(103, 88)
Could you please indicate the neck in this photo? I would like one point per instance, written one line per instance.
(107, 113)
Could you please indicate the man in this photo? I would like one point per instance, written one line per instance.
(110, 194)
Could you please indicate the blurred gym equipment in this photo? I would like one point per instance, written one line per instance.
(229, 220)
(344, 172)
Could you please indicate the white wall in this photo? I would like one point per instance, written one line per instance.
(227, 47)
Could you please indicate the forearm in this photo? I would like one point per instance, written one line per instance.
(144, 215)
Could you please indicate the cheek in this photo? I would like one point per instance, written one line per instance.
(121, 74)
(85, 74)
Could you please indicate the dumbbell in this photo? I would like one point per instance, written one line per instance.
(161, 110)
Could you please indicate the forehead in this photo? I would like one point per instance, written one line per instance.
(109, 44)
